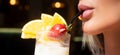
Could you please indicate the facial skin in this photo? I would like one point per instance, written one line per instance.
(104, 16)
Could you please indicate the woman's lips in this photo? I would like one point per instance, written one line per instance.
(87, 11)
(87, 14)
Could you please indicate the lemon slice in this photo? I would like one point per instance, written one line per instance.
(31, 28)
(46, 20)
(58, 19)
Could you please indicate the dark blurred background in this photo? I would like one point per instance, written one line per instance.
(15, 13)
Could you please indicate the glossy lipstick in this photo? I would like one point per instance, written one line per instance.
(87, 12)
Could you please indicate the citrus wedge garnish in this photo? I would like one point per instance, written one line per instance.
(46, 19)
(58, 19)
(31, 28)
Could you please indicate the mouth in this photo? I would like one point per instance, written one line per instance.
(87, 12)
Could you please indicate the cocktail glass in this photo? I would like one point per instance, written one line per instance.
(46, 46)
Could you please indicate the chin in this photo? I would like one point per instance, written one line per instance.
(91, 31)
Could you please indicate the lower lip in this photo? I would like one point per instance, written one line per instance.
(87, 14)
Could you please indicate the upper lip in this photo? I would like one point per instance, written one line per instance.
(84, 7)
